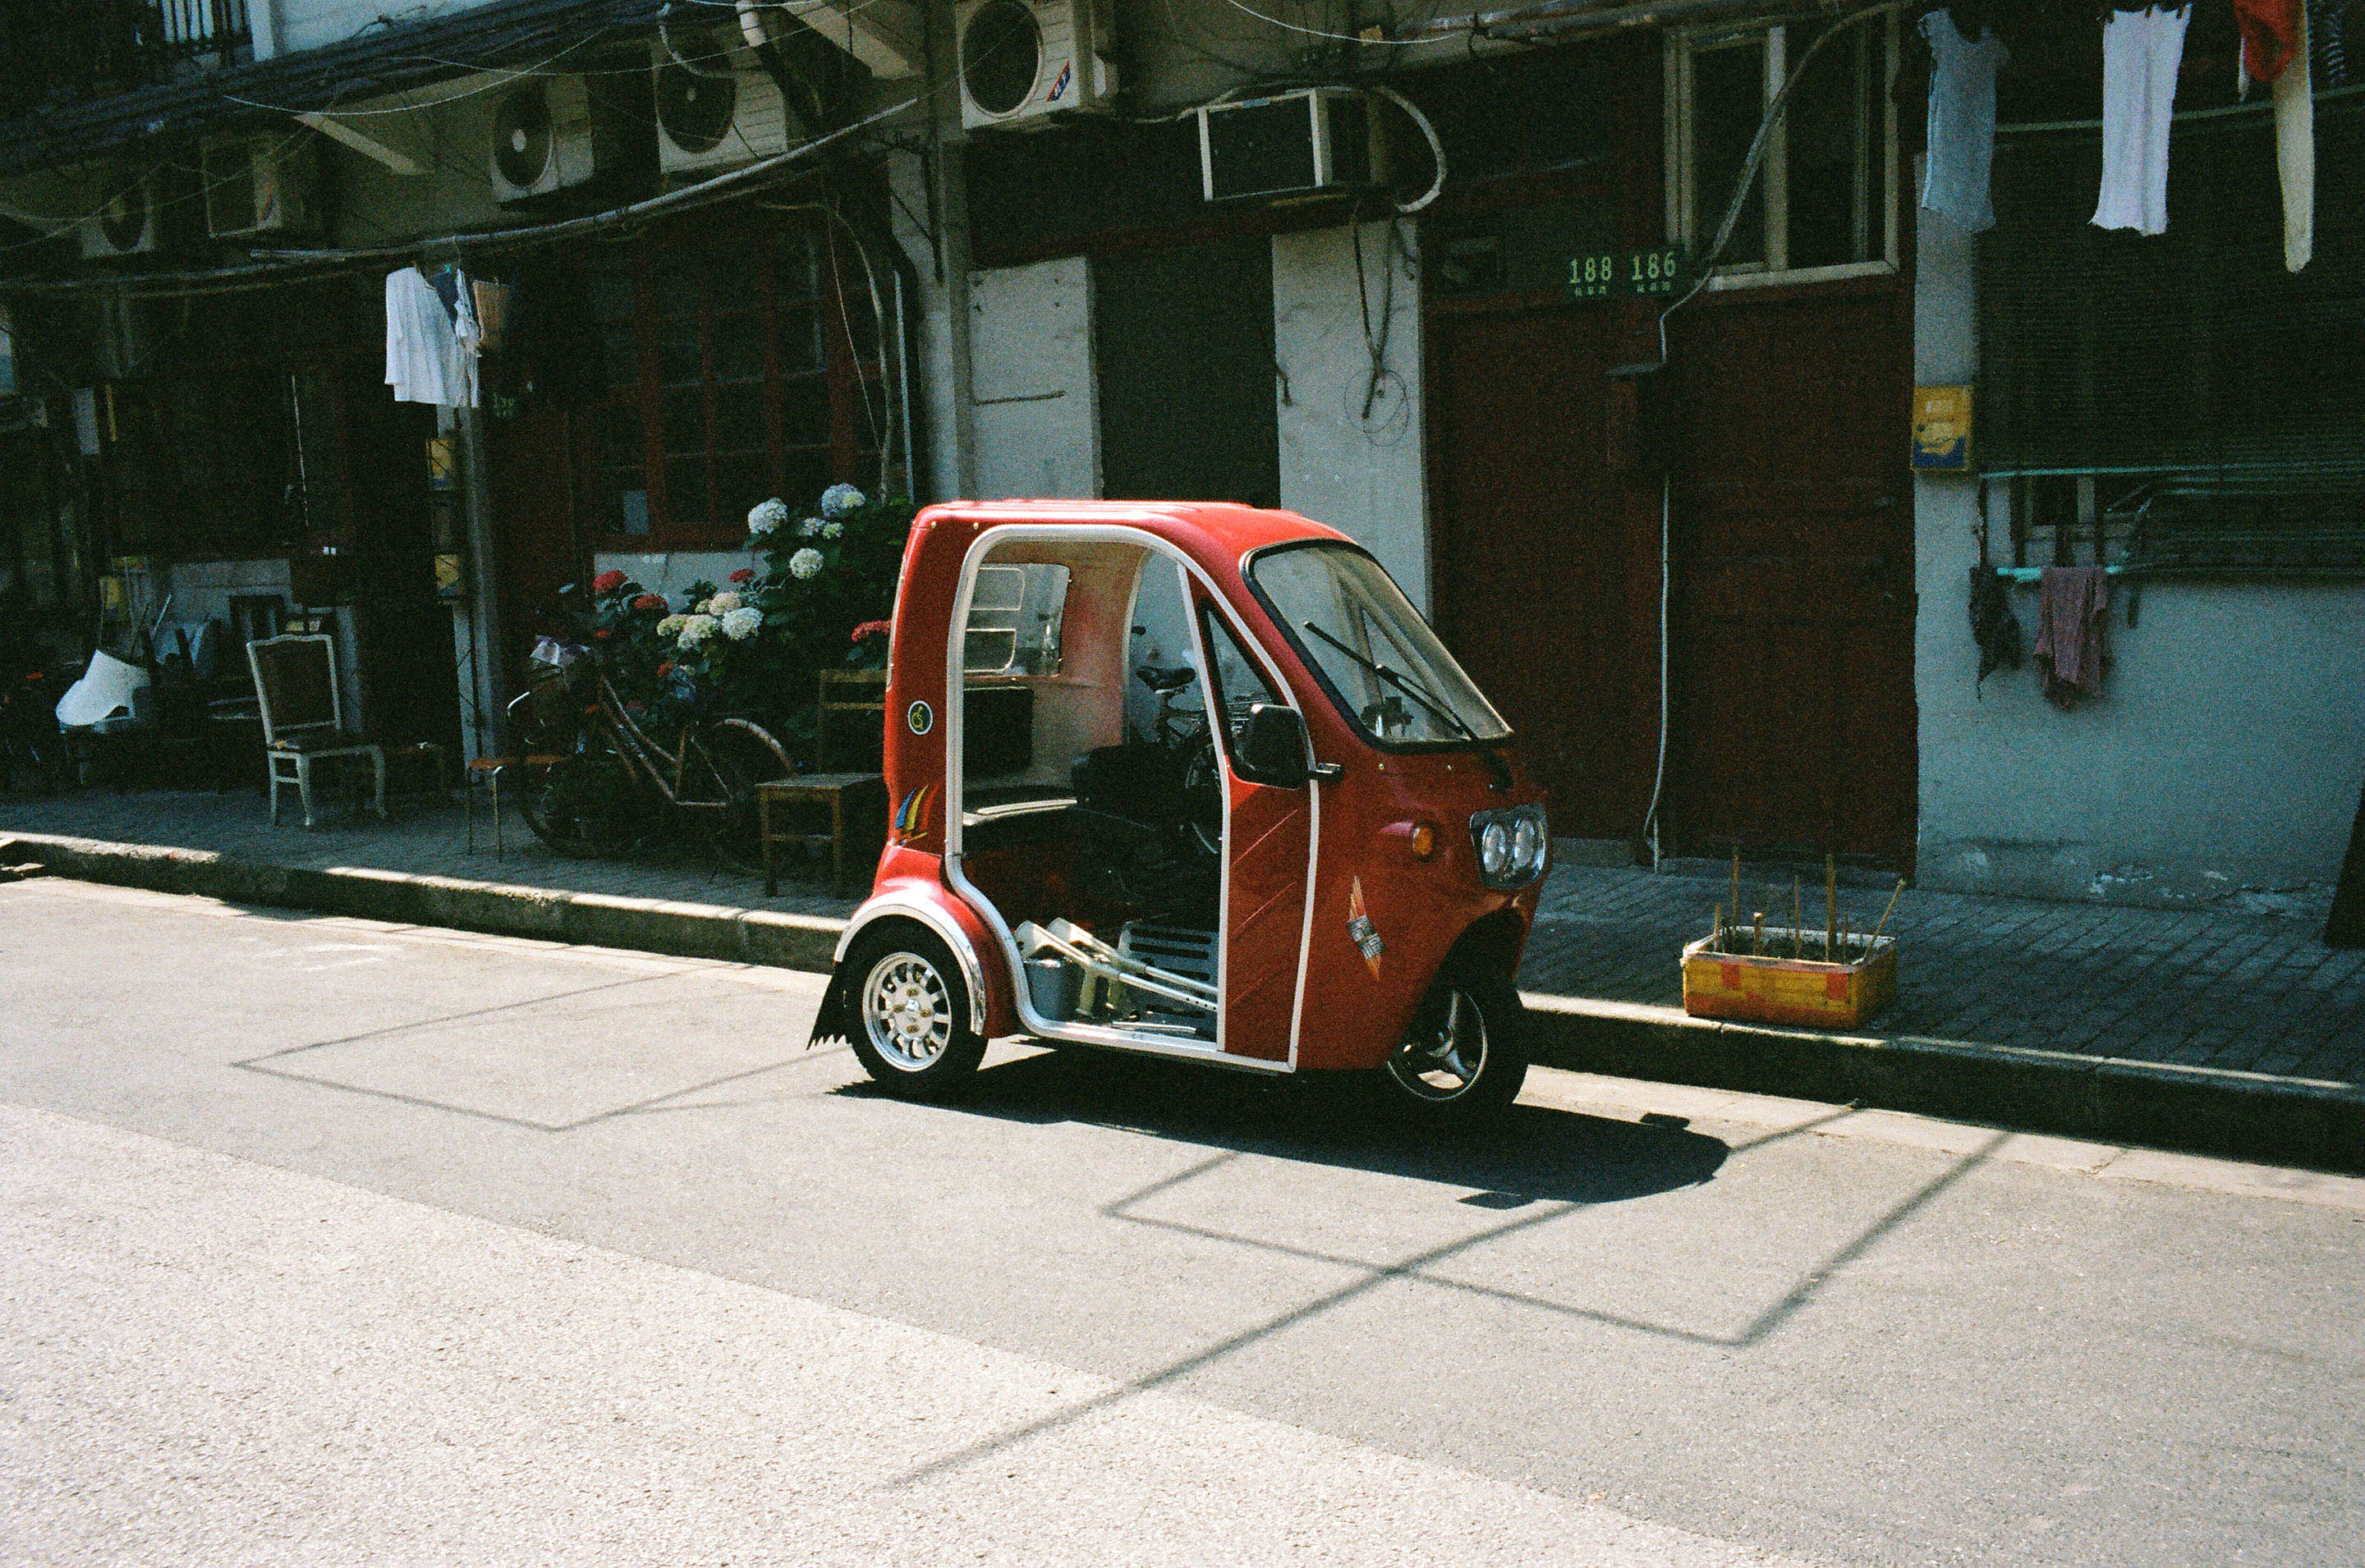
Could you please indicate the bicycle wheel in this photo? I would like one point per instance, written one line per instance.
(587, 803)
(744, 754)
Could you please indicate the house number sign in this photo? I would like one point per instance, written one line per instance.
(1636, 275)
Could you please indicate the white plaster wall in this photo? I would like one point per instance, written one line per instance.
(936, 372)
(2226, 751)
(291, 25)
(1364, 477)
(1031, 386)
(671, 572)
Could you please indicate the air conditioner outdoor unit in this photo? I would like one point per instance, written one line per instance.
(1299, 143)
(543, 140)
(258, 185)
(717, 108)
(1022, 61)
(127, 225)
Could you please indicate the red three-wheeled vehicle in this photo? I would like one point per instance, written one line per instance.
(1189, 779)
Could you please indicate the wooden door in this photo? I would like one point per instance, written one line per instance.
(1531, 550)
(402, 631)
(1793, 602)
(532, 463)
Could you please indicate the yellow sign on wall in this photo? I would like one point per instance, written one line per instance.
(1941, 428)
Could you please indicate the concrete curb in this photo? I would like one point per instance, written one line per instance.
(2205, 1110)
(2110, 1100)
(603, 920)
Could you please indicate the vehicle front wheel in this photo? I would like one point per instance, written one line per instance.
(1463, 1056)
(911, 1017)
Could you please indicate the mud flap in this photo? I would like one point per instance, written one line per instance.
(835, 1024)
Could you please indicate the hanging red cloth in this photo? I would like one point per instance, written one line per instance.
(2271, 35)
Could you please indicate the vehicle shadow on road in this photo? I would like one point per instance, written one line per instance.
(1536, 1154)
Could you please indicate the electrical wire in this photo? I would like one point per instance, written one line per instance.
(1436, 147)
(1338, 38)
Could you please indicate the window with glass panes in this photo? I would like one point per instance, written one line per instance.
(734, 369)
(1822, 199)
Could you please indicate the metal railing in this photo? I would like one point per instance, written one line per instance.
(63, 52)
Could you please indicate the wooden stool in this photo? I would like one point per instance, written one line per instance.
(816, 788)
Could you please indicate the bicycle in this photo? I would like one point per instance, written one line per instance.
(610, 783)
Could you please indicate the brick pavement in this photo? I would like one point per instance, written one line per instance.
(2256, 992)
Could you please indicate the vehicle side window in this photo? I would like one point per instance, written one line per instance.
(1240, 680)
(1014, 615)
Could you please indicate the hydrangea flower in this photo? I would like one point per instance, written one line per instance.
(671, 625)
(743, 622)
(839, 499)
(724, 603)
(805, 563)
(743, 574)
(809, 528)
(607, 582)
(765, 516)
(695, 629)
(649, 601)
(831, 529)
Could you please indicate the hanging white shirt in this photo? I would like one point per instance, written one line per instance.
(430, 357)
(2141, 53)
(1962, 121)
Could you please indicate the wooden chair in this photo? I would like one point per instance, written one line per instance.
(304, 716)
(846, 696)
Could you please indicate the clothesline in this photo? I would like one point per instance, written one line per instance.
(2261, 106)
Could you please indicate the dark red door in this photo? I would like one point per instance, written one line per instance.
(1531, 549)
(532, 482)
(1793, 601)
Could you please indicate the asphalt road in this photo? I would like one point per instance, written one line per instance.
(331, 1241)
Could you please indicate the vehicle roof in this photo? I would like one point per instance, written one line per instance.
(1230, 530)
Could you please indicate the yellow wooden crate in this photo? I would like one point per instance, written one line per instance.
(1769, 990)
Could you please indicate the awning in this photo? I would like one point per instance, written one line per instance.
(503, 33)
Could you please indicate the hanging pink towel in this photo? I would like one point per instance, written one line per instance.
(2071, 602)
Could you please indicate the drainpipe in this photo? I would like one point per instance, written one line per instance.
(487, 688)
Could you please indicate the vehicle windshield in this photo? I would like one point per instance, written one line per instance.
(1378, 659)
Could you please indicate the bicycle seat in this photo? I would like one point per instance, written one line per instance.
(1158, 679)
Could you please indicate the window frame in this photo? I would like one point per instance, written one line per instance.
(847, 452)
(1876, 103)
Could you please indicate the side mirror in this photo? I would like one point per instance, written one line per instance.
(1271, 748)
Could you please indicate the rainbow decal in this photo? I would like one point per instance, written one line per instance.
(912, 816)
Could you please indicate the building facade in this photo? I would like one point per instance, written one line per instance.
(1611, 364)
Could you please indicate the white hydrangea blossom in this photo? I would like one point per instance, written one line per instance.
(831, 529)
(805, 563)
(839, 499)
(743, 622)
(671, 625)
(724, 603)
(695, 629)
(809, 528)
(765, 516)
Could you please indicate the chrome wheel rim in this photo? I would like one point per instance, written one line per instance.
(1444, 1051)
(906, 1012)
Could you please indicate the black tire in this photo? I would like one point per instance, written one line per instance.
(1463, 1056)
(907, 1011)
(744, 755)
(587, 804)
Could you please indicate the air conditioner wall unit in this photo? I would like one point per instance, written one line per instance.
(1307, 143)
(717, 108)
(259, 185)
(127, 224)
(1023, 62)
(544, 139)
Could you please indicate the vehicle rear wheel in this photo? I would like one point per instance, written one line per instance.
(1465, 1055)
(911, 1012)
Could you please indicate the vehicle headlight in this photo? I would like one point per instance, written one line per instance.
(1513, 846)
(1494, 850)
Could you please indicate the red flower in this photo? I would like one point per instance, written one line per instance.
(601, 635)
(664, 669)
(872, 629)
(743, 574)
(608, 582)
(649, 601)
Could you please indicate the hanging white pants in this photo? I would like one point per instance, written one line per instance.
(2295, 153)
(2141, 53)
